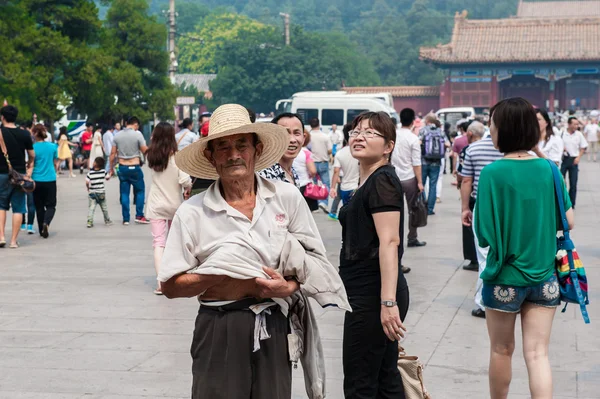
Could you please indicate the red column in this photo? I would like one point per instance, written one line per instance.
(551, 87)
(494, 91)
(445, 93)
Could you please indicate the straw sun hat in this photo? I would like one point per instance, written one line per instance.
(227, 120)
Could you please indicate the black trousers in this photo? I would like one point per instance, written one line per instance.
(468, 239)
(44, 197)
(370, 359)
(568, 165)
(410, 188)
(224, 366)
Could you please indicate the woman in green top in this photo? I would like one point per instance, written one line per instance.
(516, 216)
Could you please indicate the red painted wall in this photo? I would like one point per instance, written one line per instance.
(419, 104)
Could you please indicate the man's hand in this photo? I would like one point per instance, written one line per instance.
(421, 187)
(277, 286)
(390, 321)
(333, 193)
(467, 218)
(576, 161)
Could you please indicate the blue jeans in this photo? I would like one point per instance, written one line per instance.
(323, 173)
(431, 171)
(29, 217)
(132, 176)
(510, 299)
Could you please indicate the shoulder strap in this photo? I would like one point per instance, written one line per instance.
(181, 138)
(559, 195)
(4, 150)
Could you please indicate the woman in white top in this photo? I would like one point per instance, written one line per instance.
(167, 189)
(306, 171)
(97, 150)
(550, 146)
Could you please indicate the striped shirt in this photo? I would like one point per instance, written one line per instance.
(96, 180)
(477, 156)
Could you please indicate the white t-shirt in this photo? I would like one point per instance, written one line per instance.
(299, 165)
(406, 154)
(321, 146)
(349, 165)
(574, 142)
(553, 149)
(591, 132)
(337, 138)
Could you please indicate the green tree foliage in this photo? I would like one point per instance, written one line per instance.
(388, 32)
(59, 53)
(197, 50)
(257, 69)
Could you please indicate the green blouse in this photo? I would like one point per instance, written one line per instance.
(516, 215)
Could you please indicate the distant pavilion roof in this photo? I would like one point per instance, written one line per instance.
(545, 9)
(520, 40)
(397, 91)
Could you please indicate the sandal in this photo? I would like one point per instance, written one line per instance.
(157, 292)
(14, 246)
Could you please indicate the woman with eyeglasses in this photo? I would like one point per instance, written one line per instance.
(372, 230)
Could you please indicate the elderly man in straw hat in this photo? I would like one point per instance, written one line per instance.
(250, 250)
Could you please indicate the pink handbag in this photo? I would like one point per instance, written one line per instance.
(316, 191)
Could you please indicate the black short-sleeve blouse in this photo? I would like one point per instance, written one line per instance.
(359, 257)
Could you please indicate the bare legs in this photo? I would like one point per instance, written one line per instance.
(536, 323)
(501, 329)
(70, 163)
(158, 254)
(17, 219)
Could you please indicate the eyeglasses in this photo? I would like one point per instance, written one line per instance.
(368, 134)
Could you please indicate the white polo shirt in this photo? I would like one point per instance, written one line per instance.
(207, 231)
(574, 142)
(407, 154)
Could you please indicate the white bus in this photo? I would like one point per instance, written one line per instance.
(335, 107)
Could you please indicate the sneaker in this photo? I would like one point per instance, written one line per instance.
(90, 225)
(332, 216)
(142, 220)
(109, 223)
(125, 223)
(30, 229)
(23, 227)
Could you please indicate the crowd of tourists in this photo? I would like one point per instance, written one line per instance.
(231, 217)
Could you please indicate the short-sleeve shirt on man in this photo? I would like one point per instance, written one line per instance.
(129, 143)
(477, 156)
(17, 142)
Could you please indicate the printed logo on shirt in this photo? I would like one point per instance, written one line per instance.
(280, 218)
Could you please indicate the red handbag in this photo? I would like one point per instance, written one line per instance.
(316, 191)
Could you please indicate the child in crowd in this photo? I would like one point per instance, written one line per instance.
(97, 192)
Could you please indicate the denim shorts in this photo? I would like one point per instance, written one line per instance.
(509, 299)
(11, 196)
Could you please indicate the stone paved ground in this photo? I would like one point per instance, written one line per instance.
(78, 318)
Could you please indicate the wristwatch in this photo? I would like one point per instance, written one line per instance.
(389, 304)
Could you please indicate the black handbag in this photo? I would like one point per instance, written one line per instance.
(22, 181)
(418, 212)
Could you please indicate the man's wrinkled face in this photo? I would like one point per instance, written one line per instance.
(234, 157)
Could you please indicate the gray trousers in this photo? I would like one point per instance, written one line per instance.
(411, 192)
(224, 366)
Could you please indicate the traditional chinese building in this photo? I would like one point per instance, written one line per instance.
(548, 53)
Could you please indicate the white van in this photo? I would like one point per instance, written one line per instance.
(334, 107)
(453, 115)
